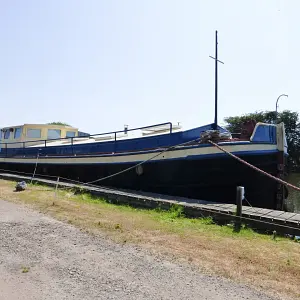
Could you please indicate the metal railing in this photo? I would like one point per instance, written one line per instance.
(25, 144)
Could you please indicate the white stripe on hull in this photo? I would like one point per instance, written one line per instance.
(137, 157)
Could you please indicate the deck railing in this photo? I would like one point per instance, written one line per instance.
(26, 144)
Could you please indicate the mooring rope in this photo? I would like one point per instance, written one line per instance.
(254, 167)
(174, 147)
(90, 183)
(145, 161)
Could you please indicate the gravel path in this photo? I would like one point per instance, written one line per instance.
(68, 264)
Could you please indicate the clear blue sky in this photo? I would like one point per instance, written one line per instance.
(100, 64)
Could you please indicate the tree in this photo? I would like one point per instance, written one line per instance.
(59, 123)
(291, 123)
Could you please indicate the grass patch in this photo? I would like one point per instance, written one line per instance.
(246, 256)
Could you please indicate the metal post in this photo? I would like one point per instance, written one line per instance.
(37, 158)
(216, 82)
(239, 205)
(72, 145)
(56, 186)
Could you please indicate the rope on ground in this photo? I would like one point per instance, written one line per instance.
(255, 168)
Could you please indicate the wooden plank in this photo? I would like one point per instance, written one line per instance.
(274, 214)
(225, 207)
(254, 210)
(247, 208)
(296, 217)
(289, 216)
(264, 212)
(218, 207)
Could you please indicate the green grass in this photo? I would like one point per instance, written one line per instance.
(173, 219)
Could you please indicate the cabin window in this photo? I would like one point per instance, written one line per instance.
(34, 133)
(54, 134)
(6, 134)
(17, 133)
(70, 134)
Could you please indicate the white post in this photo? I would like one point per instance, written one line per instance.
(56, 186)
(37, 158)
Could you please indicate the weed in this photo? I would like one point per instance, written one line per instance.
(207, 221)
(25, 269)
(118, 226)
(176, 211)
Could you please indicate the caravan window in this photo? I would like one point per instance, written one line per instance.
(6, 134)
(53, 133)
(70, 134)
(17, 133)
(34, 133)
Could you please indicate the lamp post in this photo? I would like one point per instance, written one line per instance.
(282, 95)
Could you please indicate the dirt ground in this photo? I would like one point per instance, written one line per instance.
(42, 258)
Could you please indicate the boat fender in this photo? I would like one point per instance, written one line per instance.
(139, 170)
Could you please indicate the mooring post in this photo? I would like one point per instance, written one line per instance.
(239, 205)
(36, 163)
(56, 186)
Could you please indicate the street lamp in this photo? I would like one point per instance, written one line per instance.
(283, 95)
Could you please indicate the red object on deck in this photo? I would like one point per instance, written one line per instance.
(247, 129)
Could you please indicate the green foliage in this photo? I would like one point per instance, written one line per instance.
(59, 123)
(176, 211)
(291, 123)
(25, 269)
(234, 123)
(207, 220)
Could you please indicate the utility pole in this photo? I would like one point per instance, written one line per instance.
(216, 82)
